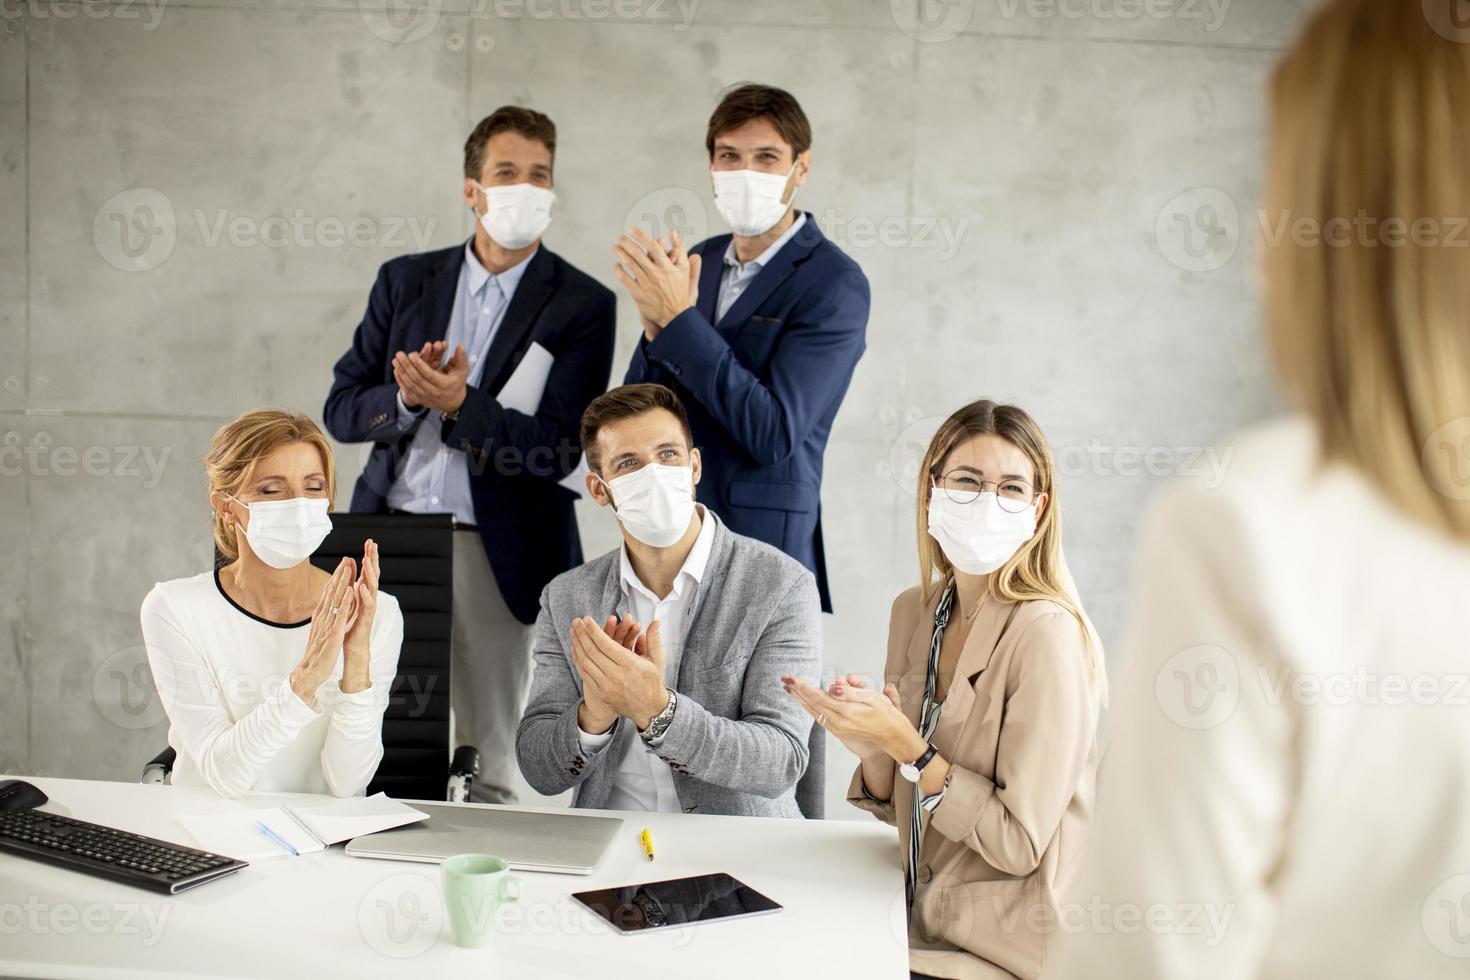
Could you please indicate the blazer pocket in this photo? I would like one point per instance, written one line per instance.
(1005, 921)
(764, 324)
(788, 495)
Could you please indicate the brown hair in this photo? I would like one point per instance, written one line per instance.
(239, 445)
(1037, 569)
(1370, 337)
(625, 403)
(529, 123)
(746, 102)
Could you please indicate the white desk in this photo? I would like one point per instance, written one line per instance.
(328, 915)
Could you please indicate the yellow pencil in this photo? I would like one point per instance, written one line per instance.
(647, 840)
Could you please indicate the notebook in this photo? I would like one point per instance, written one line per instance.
(234, 832)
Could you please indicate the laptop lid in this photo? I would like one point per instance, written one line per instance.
(568, 843)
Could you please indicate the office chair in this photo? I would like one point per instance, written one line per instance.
(417, 558)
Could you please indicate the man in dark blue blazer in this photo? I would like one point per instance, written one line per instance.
(469, 373)
(758, 332)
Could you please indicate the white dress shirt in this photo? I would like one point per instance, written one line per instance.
(435, 479)
(736, 277)
(643, 781)
(224, 676)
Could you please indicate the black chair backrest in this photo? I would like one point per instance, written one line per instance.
(416, 552)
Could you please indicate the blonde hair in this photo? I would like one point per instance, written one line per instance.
(1037, 570)
(239, 445)
(1371, 119)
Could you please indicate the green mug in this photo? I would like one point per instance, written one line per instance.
(474, 887)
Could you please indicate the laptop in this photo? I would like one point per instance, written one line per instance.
(566, 843)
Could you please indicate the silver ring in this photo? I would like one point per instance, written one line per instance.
(333, 610)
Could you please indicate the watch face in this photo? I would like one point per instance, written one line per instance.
(907, 771)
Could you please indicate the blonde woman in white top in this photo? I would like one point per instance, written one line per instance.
(274, 674)
(1287, 789)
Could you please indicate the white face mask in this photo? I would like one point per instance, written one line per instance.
(655, 503)
(284, 533)
(516, 214)
(981, 536)
(750, 201)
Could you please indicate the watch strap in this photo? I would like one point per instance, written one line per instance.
(660, 722)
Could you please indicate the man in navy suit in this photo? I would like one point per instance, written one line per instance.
(758, 332)
(443, 333)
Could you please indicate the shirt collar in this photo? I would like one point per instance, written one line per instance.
(759, 262)
(479, 275)
(693, 567)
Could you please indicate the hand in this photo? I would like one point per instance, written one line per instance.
(357, 652)
(631, 683)
(426, 385)
(594, 715)
(334, 612)
(662, 280)
(408, 387)
(871, 725)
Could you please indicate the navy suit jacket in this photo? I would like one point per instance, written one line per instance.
(763, 384)
(515, 460)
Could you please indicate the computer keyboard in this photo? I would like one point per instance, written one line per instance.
(109, 853)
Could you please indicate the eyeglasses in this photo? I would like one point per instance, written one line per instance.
(964, 487)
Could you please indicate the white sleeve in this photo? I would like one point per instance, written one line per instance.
(1195, 789)
(229, 755)
(354, 743)
(591, 743)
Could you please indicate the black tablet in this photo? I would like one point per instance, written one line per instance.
(677, 902)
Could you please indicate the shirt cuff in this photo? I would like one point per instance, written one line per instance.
(591, 743)
(294, 709)
(406, 416)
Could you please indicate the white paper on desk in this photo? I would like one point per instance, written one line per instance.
(522, 391)
(356, 816)
(233, 833)
(308, 829)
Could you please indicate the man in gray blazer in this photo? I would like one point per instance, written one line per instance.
(689, 714)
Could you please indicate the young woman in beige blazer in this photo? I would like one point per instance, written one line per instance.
(994, 682)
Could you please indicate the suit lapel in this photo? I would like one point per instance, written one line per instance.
(439, 292)
(980, 645)
(782, 264)
(715, 572)
(525, 306)
(711, 269)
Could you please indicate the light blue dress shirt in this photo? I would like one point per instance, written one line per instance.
(435, 479)
(736, 277)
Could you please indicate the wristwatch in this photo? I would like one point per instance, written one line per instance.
(912, 770)
(660, 722)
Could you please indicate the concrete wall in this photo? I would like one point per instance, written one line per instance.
(1053, 202)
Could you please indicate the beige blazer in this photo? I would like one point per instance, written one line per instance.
(1019, 729)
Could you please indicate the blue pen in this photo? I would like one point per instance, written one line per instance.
(260, 826)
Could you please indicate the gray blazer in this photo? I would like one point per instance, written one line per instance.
(738, 742)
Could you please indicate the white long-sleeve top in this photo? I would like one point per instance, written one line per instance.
(224, 677)
(1287, 790)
